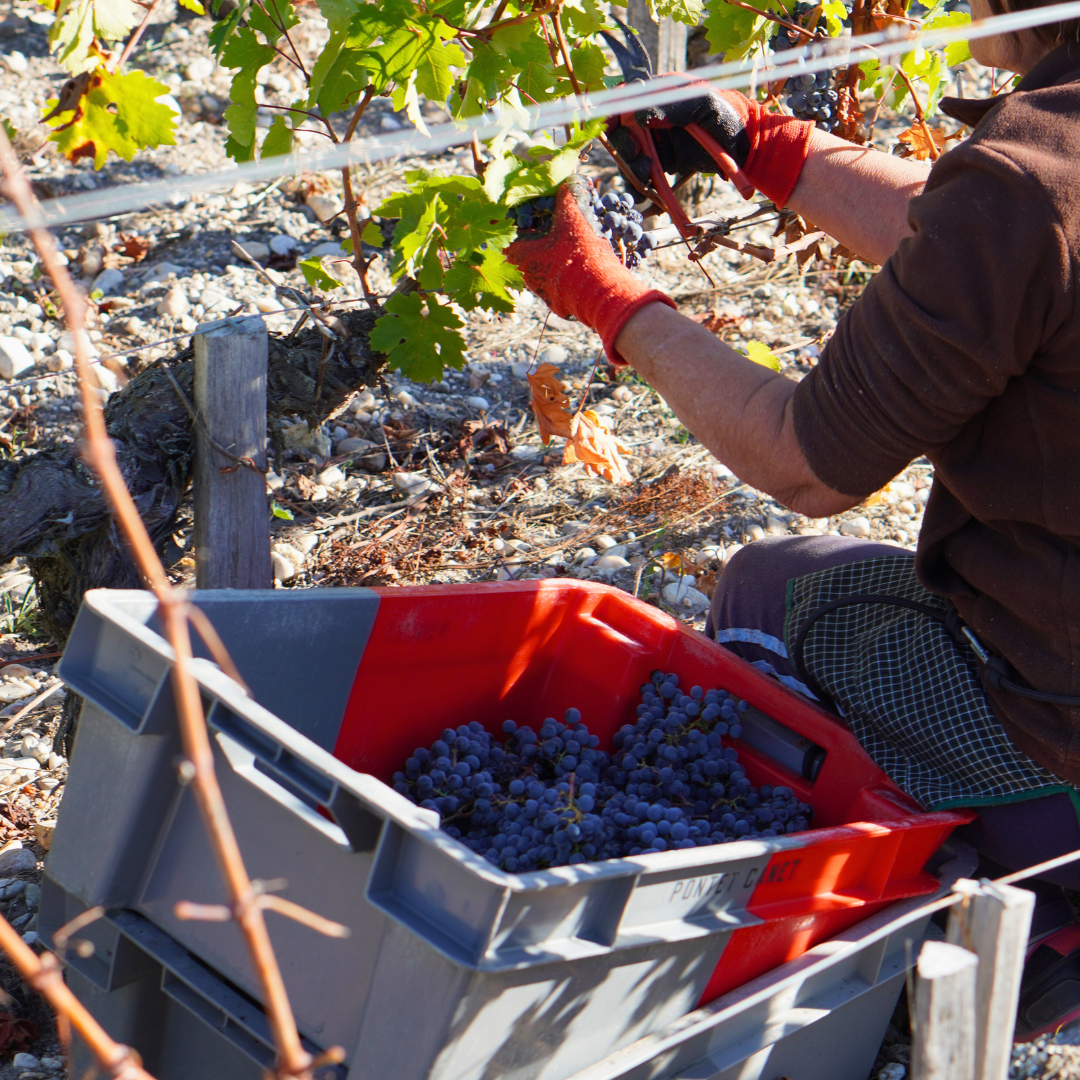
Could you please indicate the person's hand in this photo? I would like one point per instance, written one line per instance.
(575, 272)
(769, 147)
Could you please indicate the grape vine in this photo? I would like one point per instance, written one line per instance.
(474, 58)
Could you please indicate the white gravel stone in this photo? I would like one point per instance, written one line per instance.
(610, 563)
(893, 1071)
(199, 69)
(15, 62)
(108, 282)
(282, 244)
(755, 532)
(553, 354)
(211, 298)
(324, 207)
(283, 569)
(41, 342)
(61, 360)
(478, 402)
(585, 553)
(332, 477)
(174, 303)
(327, 248)
(604, 542)
(411, 483)
(406, 399)
(259, 251)
(685, 597)
(15, 358)
(355, 446)
(25, 1061)
(859, 527)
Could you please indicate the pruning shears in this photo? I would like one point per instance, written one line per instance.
(636, 66)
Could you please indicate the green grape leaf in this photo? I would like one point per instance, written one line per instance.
(193, 5)
(510, 180)
(279, 139)
(244, 51)
(419, 343)
(928, 67)
(472, 224)
(71, 36)
(9, 129)
(416, 231)
(434, 78)
(272, 18)
(956, 52)
(734, 31)
(586, 17)
(405, 96)
(683, 11)
(761, 354)
(223, 30)
(528, 52)
(117, 112)
(589, 63)
(279, 511)
(481, 279)
(337, 13)
(338, 77)
(316, 276)
(835, 13)
(372, 235)
(489, 67)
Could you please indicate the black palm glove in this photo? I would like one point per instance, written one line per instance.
(722, 115)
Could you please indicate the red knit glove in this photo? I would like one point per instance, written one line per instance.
(769, 147)
(575, 272)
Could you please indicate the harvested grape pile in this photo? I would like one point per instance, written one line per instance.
(554, 798)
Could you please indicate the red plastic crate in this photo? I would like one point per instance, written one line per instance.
(440, 656)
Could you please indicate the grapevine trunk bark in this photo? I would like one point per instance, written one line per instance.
(52, 510)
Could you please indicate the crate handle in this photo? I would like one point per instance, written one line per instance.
(296, 779)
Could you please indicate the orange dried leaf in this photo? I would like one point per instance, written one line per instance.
(550, 404)
(919, 146)
(592, 443)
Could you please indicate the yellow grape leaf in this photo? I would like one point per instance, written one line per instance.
(592, 443)
(919, 145)
(763, 355)
(549, 403)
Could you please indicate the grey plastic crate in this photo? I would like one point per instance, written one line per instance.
(820, 1017)
(148, 992)
(454, 970)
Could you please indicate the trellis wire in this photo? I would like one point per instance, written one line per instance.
(662, 90)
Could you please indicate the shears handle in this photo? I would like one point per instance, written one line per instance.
(724, 161)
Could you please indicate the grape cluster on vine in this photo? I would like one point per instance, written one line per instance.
(616, 219)
(812, 97)
(553, 798)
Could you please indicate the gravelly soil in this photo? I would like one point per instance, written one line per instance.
(434, 482)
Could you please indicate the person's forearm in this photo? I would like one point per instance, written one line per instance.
(738, 409)
(857, 195)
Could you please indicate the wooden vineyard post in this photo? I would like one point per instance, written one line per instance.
(232, 521)
(666, 42)
(993, 922)
(943, 1036)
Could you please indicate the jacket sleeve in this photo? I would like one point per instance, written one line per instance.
(960, 308)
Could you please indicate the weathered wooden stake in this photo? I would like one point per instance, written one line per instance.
(993, 922)
(232, 522)
(666, 42)
(943, 1039)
